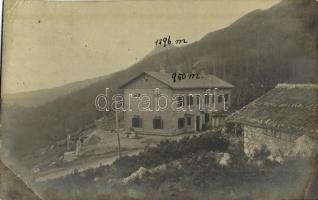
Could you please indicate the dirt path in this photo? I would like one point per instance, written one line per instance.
(134, 146)
(60, 172)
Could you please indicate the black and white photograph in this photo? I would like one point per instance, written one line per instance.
(159, 100)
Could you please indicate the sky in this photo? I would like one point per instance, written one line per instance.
(49, 44)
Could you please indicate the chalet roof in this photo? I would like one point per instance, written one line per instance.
(205, 81)
(289, 107)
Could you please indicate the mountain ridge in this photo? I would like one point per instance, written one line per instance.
(39, 97)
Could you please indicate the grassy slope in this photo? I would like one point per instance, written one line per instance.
(187, 169)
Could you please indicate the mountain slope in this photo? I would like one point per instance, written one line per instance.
(40, 97)
(263, 48)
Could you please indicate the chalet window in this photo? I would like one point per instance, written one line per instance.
(158, 94)
(212, 97)
(189, 121)
(220, 98)
(207, 117)
(206, 99)
(181, 123)
(136, 122)
(198, 99)
(180, 100)
(157, 123)
(226, 96)
(189, 100)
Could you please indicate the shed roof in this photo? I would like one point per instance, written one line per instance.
(205, 81)
(287, 107)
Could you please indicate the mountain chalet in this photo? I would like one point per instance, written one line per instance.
(190, 93)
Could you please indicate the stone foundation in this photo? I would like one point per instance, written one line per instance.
(277, 143)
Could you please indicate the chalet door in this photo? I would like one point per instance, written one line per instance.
(198, 123)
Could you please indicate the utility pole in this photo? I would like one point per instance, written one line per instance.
(117, 132)
(235, 129)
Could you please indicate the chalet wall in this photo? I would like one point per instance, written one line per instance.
(276, 142)
(146, 85)
(218, 105)
(148, 116)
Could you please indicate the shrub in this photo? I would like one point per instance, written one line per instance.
(125, 165)
(167, 151)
